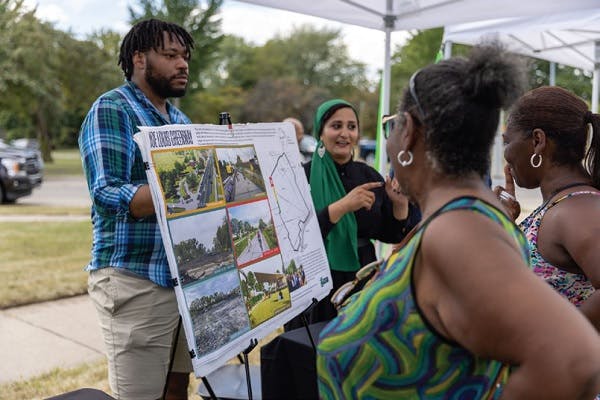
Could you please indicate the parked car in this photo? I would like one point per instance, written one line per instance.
(307, 146)
(30, 144)
(367, 147)
(20, 172)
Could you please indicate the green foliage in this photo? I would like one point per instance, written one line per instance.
(43, 97)
(270, 236)
(420, 50)
(199, 18)
(291, 268)
(188, 250)
(222, 241)
(287, 76)
(240, 245)
(574, 79)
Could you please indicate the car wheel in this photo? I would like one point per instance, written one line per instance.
(2, 198)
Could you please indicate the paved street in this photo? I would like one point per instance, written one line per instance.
(64, 191)
(255, 249)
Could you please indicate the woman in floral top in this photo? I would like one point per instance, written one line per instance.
(545, 143)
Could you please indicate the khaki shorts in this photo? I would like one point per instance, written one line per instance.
(138, 320)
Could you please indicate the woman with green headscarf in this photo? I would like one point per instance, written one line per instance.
(354, 203)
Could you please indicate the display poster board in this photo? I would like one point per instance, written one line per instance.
(239, 229)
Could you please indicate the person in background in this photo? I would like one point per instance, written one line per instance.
(306, 143)
(545, 147)
(444, 314)
(129, 279)
(354, 204)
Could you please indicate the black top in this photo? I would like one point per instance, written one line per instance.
(378, 222)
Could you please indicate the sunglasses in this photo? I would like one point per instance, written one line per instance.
(341, 295)
(388, 123)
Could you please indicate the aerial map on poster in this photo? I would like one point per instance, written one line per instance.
(239, 229)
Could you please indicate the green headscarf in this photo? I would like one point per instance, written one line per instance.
(326, 188)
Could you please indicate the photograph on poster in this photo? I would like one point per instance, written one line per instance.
(189, 179)
(265, 290)
(217, 310)
(294, 275)
(253, 232)
(241, 174)
(200, 253)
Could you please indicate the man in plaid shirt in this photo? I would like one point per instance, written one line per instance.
(129, 282)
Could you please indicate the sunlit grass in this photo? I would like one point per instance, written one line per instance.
(65, 162)
(57, 381)
(43, 260)
(33, 209)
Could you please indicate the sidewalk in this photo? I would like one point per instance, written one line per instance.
(37, 338)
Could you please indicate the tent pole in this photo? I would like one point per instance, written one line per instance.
(596, 76)
(552, 76)
(595, 82)
(389, 21)
(447, 49)
(387, 69)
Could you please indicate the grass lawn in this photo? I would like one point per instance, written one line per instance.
(269, 307)
(31, 209)
(65, 162)
(43, 261)
(240, 245)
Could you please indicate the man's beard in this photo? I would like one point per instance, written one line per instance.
(162, 85)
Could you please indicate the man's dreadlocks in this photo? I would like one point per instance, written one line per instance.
(146, 35)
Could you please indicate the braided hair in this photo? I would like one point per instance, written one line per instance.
(146, 35)
(458, 102)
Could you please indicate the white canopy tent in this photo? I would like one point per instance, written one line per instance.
(569, 38)
(395, 15)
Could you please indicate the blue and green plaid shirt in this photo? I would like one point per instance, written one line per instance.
(114, 170)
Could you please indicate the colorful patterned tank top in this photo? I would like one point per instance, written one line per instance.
(575, 287)
(381, 346)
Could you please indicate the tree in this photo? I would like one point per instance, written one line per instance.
(43, 98)
(574, 79)
(35, 92)
(251, 281)
(275, 99)
(97, 72)
(221, 241)
(418, 51)
(10, 12)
